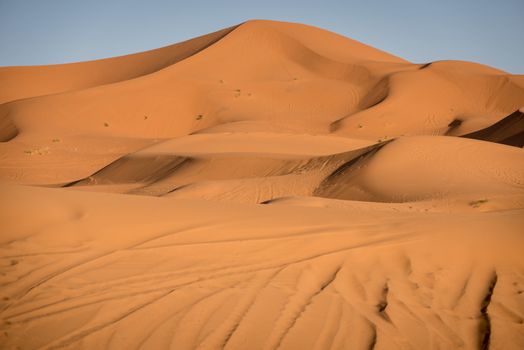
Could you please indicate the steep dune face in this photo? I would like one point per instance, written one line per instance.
(268, 186)
(509, 131)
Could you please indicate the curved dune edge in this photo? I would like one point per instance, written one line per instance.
(420, 168)
(364, 173)
(8, 129)
(508, 131)
(158, 171)
(31, 81)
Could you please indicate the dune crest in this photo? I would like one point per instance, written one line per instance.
(270, 185)
(31, 81)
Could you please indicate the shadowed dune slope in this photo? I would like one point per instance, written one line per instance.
(8, 129)
(508, 131)
(423, 167)
(253, 175)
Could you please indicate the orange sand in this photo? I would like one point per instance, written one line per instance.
(268, 186)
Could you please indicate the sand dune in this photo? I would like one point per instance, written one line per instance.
(25, 82)
(419, 168)
(268, 186)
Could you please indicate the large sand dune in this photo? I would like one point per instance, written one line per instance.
(267, 186)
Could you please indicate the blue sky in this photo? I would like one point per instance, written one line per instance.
(59, 31)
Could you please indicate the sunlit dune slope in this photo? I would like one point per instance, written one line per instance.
(30, 81)
(93, 270)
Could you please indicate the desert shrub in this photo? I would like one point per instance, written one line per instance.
(477, 203)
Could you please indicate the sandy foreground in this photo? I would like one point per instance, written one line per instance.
(268, 186)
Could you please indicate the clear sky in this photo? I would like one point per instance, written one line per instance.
(58, 31)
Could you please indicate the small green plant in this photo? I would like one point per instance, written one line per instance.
(477, 203)
(13, 262)
(146, 117)
(200, 116)
(359, 126)
(106, 124)
(56, 140)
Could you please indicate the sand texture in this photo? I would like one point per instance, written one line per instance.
(268, 186)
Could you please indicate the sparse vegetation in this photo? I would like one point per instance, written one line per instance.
(37, 151)
(106, 124)
(199, 117)
(13, 262)
(477, 203)
(221, 81)
(146, 117)
(56, 140)
(359, 126)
